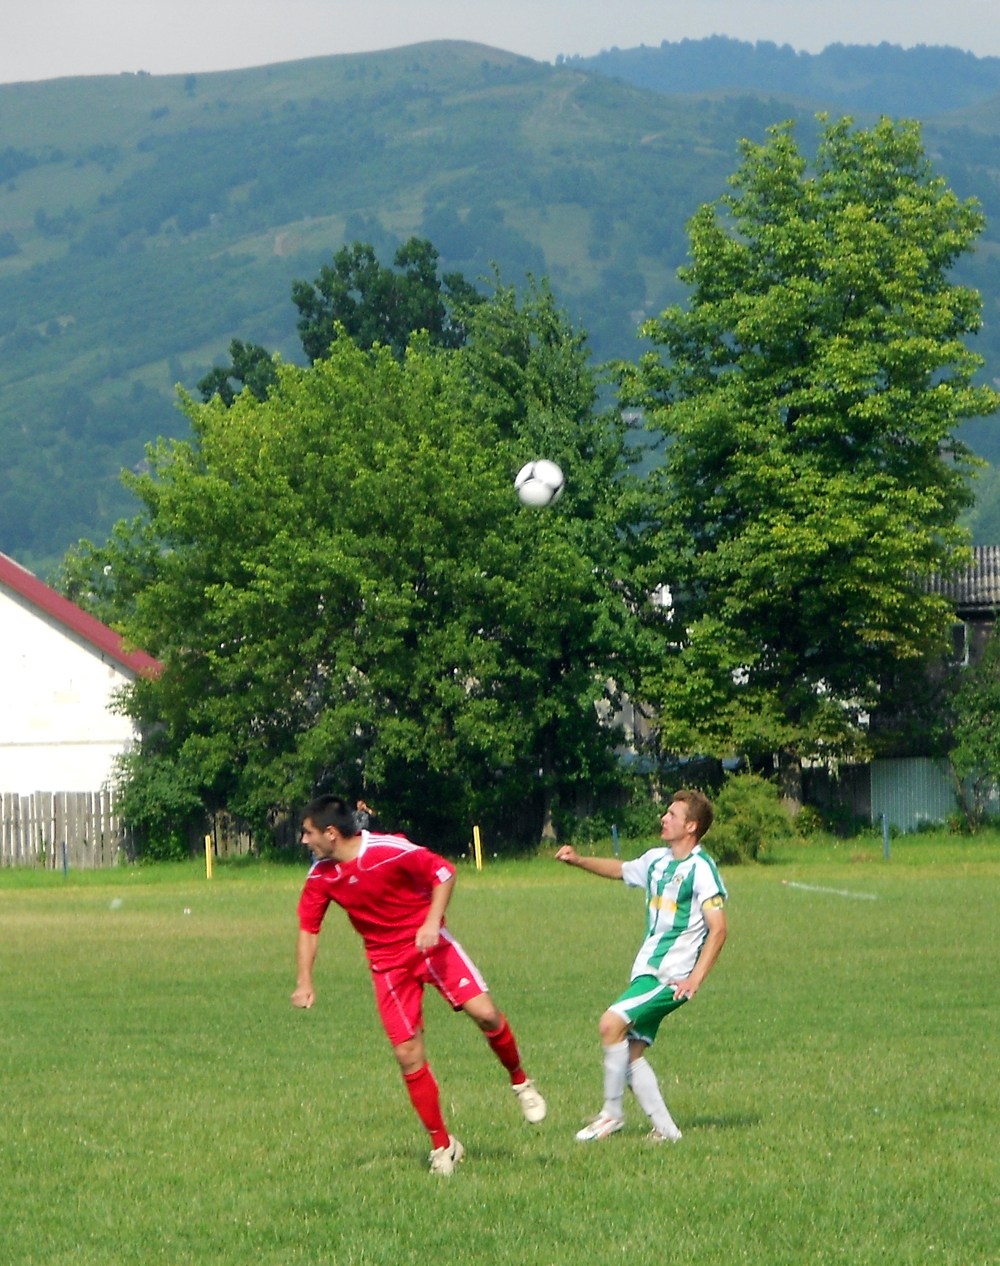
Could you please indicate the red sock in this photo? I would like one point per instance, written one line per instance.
(505, 1049)
(425, 1099)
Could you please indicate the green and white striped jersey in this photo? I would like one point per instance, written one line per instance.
(675, 922)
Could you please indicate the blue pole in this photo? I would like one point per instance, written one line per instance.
(614, 840)
(885, 836)
(65, 863)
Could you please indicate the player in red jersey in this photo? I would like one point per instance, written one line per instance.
(395, 894)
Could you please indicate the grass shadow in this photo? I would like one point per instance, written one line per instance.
(734, 1121)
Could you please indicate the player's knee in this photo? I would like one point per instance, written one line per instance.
(612, 1028)
(487, 1017)
(410, 1055)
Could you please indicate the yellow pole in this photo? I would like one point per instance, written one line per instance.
(208, 857)
(479, 847)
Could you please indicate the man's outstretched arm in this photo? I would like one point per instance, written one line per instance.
(305, 954)
(606, 867)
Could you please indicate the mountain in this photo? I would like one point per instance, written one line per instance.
(147, 220)
(880, 79)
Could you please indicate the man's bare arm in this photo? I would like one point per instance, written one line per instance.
(305, 954)
(606, 867)
(429, 933)
(710, 951)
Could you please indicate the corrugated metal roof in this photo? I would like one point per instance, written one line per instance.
(18, 578)
(975, 591)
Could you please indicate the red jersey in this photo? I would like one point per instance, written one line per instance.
(386, 891)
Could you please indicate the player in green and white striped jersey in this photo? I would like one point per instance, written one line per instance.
(685, 932)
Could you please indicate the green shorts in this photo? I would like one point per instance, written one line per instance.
(644, 1004)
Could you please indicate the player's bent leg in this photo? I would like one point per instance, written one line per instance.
(617, 1024)
(647, 1002)
(504, 1046)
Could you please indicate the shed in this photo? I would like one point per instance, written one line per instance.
(61, 670)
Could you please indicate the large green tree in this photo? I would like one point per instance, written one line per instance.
(346, 592)
(373, 304)
(807, 398)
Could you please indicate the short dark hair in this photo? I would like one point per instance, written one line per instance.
(698, 808)
(332, 811)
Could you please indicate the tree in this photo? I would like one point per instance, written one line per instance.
(811, 482)
(975, 754)
(345, 591)
(373, 304)
(252, 367)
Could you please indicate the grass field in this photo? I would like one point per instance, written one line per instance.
(836, 1079)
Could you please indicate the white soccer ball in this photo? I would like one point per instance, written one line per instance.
(539, 483)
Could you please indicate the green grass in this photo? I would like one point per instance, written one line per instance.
(835, 1080)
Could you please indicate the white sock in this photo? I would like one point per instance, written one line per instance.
(646, 1089)
(615, 1073)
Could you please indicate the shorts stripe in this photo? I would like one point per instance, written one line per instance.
(399, 1007)
(442, 988)
(470, 965)
(623, 1008)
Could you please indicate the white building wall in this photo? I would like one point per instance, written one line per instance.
(57, 730)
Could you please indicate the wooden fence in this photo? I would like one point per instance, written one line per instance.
(35, 829)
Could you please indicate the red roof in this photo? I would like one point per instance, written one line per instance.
(16, 577)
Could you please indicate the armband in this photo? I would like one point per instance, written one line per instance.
(713, 903)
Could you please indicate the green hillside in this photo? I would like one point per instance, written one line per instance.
(884, 78)
(147, 220)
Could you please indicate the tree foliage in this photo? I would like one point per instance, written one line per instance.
(975, 754)
(811, 481)
(346, 592)
(252, 368)
(373, 304)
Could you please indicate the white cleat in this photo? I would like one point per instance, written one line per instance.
(532, 1103)
(444, 1159)
(661, 1136)
(601, 1127)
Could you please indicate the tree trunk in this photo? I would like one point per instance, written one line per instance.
(790, 782)
(548, 825)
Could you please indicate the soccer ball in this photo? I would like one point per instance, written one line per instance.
(539, 483)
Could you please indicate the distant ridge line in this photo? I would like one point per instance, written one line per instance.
(886, 78)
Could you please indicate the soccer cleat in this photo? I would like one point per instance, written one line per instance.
(444, 1159)
(658, 1136)
(601, 1127)
(532, 1103)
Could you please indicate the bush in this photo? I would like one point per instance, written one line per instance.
(638, 818)
(809, 821)
(159, 804)
(749, 818)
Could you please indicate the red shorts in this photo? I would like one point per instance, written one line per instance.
(399, 992)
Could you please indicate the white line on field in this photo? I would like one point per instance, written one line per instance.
(836, 892)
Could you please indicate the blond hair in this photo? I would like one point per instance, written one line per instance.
(698, 808)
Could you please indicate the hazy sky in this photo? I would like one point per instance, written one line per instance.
(41, 39)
